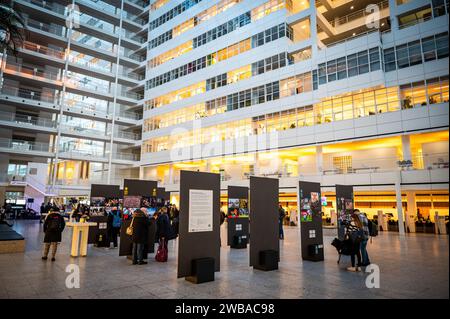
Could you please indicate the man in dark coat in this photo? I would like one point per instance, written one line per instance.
(140, 224)
(54, 225)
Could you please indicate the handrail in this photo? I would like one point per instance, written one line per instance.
(357, 14)
(29, 120)
(17, 67)
(30, 46)
(23, 145)
(28, 94)
(357, 36)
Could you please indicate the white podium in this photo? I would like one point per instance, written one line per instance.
(79, 247)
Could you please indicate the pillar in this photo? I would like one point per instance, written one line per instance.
(406, 147)
(170, 174)
(398, 195)
(256, 165)
(319, 159)
(141, 172)
(411, 211)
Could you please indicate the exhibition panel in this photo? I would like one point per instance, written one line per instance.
(238, 221)
(199, 222)
(345, 205)
(311, 221)
(264, 239)
(138, 194)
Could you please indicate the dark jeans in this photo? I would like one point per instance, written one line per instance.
(357, 250)
(364, 254)
(113, 233)
(280, 224)
(138, 253)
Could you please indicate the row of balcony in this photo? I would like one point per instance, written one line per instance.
(60, 55)
(36, 122)
(7, 144)
(61, 32)
(73, 81)
(79, 107)
(358, 168)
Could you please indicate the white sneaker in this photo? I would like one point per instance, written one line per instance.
(352, 269)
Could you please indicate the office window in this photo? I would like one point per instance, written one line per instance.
(374, 55)
(389, 60)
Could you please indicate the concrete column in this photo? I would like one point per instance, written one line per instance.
(313, 27)
(393, 13)
(406, 147)
(319, 159)
(256, 165)
(398, 195)
(141, 172)
(411, 211)
(170, 174)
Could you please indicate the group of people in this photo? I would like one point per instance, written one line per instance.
(166, 219)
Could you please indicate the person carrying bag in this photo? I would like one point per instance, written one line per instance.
(163, 232)
(139, 234)
(163, 253)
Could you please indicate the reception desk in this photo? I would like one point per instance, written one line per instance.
(79, 245)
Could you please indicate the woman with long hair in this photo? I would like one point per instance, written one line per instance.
(355, 231)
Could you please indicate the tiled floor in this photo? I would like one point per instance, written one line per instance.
(414, 267)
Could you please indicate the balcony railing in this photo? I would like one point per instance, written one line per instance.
(82, 130)
(25, 120)
(29, 46)
(29, 94)
(82, 153)
(80, 82)
(131, 95)
(128, 135)
(29, 71)
(141, 3)
(23, 146)
(126, 157)
(379, 165)
(49, 28)
(93, 110)
(358, 14)
(51, 6)
(130, 115)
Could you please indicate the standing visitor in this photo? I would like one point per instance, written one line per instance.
(114, 224)
(365, 237)
(42, 213)
(53, 227)
(139, 224)
(282, 214)
(356, 233)
(163, 231)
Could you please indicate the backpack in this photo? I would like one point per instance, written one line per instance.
(373, 229)
(54, 224)
(117, 221)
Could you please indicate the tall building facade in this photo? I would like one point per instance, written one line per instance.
(70, 101)
(340, 92)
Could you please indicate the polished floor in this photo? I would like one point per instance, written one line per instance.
(413, 267)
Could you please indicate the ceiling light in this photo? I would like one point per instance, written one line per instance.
(352, 7)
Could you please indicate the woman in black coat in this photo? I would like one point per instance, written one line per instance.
(140, 224)
(163, 230)
(54, 225)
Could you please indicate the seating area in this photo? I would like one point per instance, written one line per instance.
(10, 240)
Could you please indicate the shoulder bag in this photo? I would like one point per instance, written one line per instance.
(129, 230)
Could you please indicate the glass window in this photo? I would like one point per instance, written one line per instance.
(389, 60)
(442, 45)
(402, 56)
(429, 49)
(415, 53)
